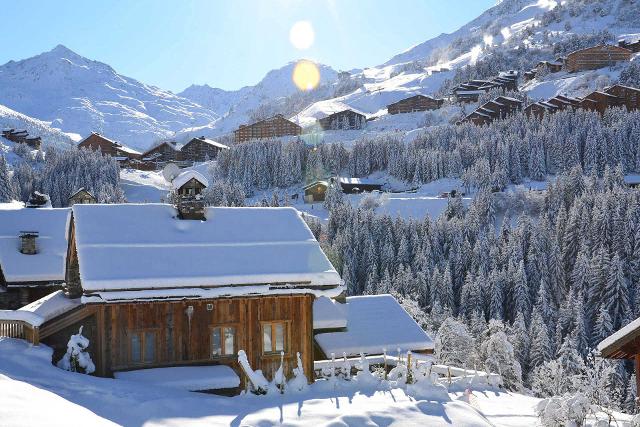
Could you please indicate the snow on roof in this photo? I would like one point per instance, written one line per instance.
(137, 247)
(51, 306)
(187, 176)
(363, 181)
(329, 314)
(619, 336)
(48, 265)
(374, 323)
(127, 149)
(211, 142)
(187, 378)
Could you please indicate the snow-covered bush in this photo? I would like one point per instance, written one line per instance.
(497, 354)
(565, 411)
(372, 201)
(454, 344)
(77, 358)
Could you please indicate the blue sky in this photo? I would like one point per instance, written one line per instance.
(226, 44)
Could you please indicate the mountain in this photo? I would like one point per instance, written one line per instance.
(80, 95)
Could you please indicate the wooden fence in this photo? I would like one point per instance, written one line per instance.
(20, 329)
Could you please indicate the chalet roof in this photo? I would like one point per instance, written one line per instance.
(419, 95)
(48, 265)
(114, 143)
(329, 314)
(171, 144)
(80, 190)
(325, 115)
(210, 142)
(600, 47)
(375, 323)
(270, 119)
(187, 176)
(356, 181)
(622, 86)
(314, 183)
(614, 345)
(143, 251)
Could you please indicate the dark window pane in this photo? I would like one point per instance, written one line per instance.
(135, 348)
(216, 343)
(279, 337)
(149, 347)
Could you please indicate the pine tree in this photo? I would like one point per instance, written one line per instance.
(540, 350)
(7, 188)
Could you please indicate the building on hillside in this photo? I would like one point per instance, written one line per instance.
(599, 101)
(82, 196)
(562, 102)
(107, 147)
(415, 103)
(624, 344)
(630, 96)
(470, 91)
(550, 66)
(190, 183)
(33, 249)
(540, 109)
(273, 127)
(201, 149)
(315, 191)
(21, 136)
(596, 57)
(633, 45)
(498, 108)
(174, 292)
(358, 185)
(372, 325)
(162, 153)
(343, 120)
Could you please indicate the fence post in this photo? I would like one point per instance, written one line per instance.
(35, 339)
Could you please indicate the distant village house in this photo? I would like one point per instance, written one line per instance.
(107, 147)
(343, 120)
(274, 127)
(596, 57)
(415, 103)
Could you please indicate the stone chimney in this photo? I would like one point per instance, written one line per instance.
(28, 242)
(190, 207)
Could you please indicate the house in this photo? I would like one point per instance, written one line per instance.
(630, 96)
(539, 109)
(200, 149)
(22, 137)
(33, 250)
(470, 91)
(562, 102)
(107, 147)
(343, 120)
(550, 66)
(155, 291)
(599, 101)
(273, 127)
(358, 185)
(164, 152)
(315, 191)
(82, 196)
(415, 103)
(632, 45)
(596, 57)
(624, 344)
(498, 108)
(371, 324)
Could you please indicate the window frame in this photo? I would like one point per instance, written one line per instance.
(221, 326)
(286, 336)
(141, 333)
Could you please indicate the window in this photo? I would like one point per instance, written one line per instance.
(143, 347)
(274, 337)
(223, 340)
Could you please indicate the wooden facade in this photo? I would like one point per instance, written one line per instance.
(315, 191)
(162, 153)
(82, 196)
(107, 147)
(414, 103)
(629, 96)
(200, 149)
(600, 101)
(633, 46)
(497, 108)
(596, 57)
(343, 120)
(273, 127)
(139, 335)
(22, 137)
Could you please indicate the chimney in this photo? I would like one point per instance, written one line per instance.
(28, 242)
(190, 207)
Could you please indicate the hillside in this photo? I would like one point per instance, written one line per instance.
(80, 95)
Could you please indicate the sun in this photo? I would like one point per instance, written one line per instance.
(302, 35)
(306, 75)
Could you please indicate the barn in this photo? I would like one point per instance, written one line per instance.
(415, 103)
(272, 127)
(596, 57)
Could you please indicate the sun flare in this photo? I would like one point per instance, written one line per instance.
(306, 75)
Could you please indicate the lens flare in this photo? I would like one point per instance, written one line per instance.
(306, 75)
(302, 35)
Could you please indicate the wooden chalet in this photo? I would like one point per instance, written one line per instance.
(540, 109)
(498, 108)
(107, 147)
(415, 103)
(550, 66)
(343, 120)
(632, 45)
(470, 91)
(164, 152)
(315, 191)
(273, 127)
(200, 149)
(358, 185)
(596, 57)
(190, 183)
(82, 196)
(152, 290)
(599, 101)
(22, 137)
(33, 251)
(624, 344)
(630, 96)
